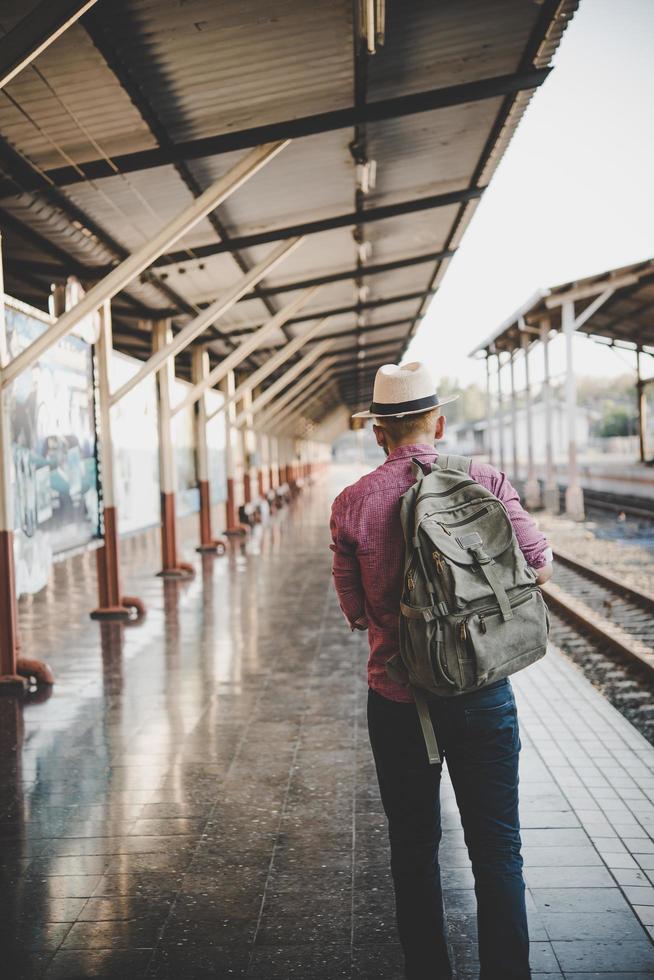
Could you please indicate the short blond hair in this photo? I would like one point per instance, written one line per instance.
(400, 429)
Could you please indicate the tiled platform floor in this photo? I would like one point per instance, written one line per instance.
(197, 797)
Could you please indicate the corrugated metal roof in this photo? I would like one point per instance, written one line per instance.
(135, 75)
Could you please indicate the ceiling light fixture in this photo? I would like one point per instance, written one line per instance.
(366, 175)
(364, 252)
(372, 24)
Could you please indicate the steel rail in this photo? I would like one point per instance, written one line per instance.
(611, 636)
(643, 599)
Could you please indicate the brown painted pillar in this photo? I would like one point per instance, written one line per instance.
(234, 526)
(112, 603)
(263, 453)
(247, 450)
(162, 335)
(200, 370)
(273, 462)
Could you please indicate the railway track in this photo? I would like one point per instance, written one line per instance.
(607, 628)
(599, 500)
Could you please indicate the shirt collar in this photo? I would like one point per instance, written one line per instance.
(414, 449)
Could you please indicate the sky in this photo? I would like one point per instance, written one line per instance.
(573, 195)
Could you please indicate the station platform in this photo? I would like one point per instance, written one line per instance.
(197, 797)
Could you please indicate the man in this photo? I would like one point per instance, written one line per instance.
(477, 731)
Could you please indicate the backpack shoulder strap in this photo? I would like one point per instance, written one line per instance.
(454, 463)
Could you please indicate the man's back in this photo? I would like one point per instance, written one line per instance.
(368, 548)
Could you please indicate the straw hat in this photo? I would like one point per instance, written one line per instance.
(403, 389)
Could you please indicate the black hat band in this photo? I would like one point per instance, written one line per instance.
(400, 408)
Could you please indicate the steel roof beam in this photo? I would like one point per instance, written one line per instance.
(138, 261)
(349, 334)
(358, 273)
(301, 393)
(86, 272)
(310, 401)
(369, 349)
(21, 170)
(283, 382)
(267, 368)
(36, 32)
(243, 350)
(319, 371)
(98, 25)
(204, 320)
(371, 304)
(379, 213)
(324, 122)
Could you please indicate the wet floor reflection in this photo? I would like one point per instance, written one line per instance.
(188, 790)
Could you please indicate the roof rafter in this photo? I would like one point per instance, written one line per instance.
(441, 98)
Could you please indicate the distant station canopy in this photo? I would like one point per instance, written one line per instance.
(396, 126)
(615, 307)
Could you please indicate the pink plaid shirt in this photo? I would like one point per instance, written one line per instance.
(368, 546)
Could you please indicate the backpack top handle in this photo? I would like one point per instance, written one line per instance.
(419, 468)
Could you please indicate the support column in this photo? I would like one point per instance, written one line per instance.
(286, 468)
(200, 370)
(247, 450)
(574, 495)
(532, 490)
(9, 677)
(274, 462)
(14, 669)
(489, 410)
(551, 493)
(113, 604)
(263, 453)
(171, 568)
(642, 409)
(228, 386)
(500, 412)
(514, 418)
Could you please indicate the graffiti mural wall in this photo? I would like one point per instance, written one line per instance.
(51, 409)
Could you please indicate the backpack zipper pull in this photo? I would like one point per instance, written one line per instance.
(482, 623)
(463, 630)
(444, 528)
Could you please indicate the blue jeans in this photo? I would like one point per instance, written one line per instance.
(478, 735)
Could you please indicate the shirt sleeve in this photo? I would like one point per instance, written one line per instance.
(345, 568)
(533, 543)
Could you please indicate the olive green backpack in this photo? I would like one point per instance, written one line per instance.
(471, 612)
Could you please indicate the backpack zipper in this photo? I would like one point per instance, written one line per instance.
(465, 520)
(445, 493)
(437, 558)
(495, 609)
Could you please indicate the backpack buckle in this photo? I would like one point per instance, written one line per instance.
(469, 541)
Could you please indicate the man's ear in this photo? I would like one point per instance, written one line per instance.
(439, 431)
(380, 436)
